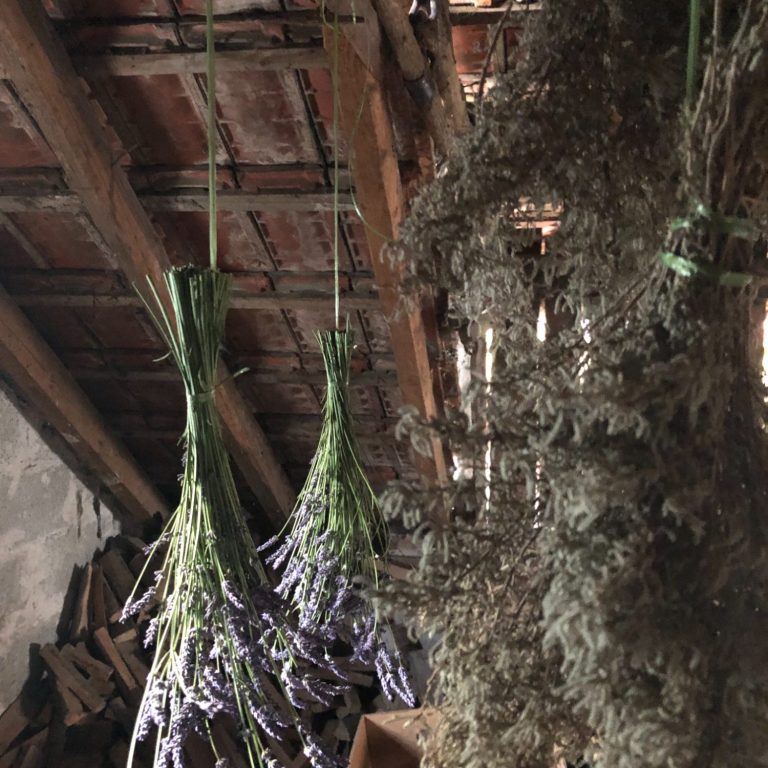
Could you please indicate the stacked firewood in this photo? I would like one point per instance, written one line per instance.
(81, 713)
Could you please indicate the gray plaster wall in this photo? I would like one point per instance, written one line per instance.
(48, 524)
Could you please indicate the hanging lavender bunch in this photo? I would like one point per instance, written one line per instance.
(221, 638)
(329, 557)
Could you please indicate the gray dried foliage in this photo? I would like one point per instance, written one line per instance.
(612, 603)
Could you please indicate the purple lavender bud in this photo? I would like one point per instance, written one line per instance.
(318, 755)
(278, 557)
(293, 686)
(188, 657)
(233, 597)
(364, 641)
(268, 544)
(151, 634)
(146, 721)
(322, 692)
(406, 688)
(385, 671)
(133, 607)
(269, 721)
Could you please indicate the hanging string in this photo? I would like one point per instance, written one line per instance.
(211, 84)
(336, 214)
(694, 35)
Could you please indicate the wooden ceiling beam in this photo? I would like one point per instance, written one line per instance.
(45, 383)
(273, 377)
(276, 58)
(268, 300)
(44, 77)
(461, 15)
(368, 129)
(184, 201)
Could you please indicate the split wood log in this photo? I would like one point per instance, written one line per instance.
(12, 722)
(129, 651)
(124, 631)
(79, 627)
(11, 758)
(126, 682)
(70, 708)
(68, 676)
(118, 711)
(118, 755)
(33, 757)
(98, 612)
(118, 575)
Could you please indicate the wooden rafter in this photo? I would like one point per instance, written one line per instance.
(184, 62)
(42, 379)
(461, 14)
(45, 79)
(267, 300)
(184, 201)
(379, 191)
(306, 378)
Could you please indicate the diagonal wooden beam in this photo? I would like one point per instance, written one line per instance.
(45, 79)
(380, 195)
(41, 377)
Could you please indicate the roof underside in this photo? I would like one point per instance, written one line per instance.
(275, 160)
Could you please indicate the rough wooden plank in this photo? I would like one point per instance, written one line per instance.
(98, 612)
(80, 619)
(46, 81)
(118, 575)
(66, 674)
(12, 722)
(118, 711)
(10, 758)
(238, 200)
(112, 607)
(275, 58)
(126, 682)
(380, 196)
(130, 654)
(49, 387)
(268, 300)
(33, 757)
(96, 670)
(182, 201)
(272, 377)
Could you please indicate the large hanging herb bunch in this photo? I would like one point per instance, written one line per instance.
(336, 536)
(605, 594)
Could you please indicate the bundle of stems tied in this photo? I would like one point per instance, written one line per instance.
(336, 536)
(224, 647)
(221, 638)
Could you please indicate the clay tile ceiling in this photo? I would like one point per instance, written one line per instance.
(275, 144)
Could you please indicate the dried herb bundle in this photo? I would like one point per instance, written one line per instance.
(336, 536)
(604, 594)
(221, 639)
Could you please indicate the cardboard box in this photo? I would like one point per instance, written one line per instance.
(390, 739)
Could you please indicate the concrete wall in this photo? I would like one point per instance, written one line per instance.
(49, 522)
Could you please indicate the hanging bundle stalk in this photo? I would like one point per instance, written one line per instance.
(223, 643)
(213, 649)
(337, 535)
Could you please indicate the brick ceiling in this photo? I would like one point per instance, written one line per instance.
(274, 132)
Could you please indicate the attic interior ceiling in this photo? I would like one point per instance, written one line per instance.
(275, 162)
